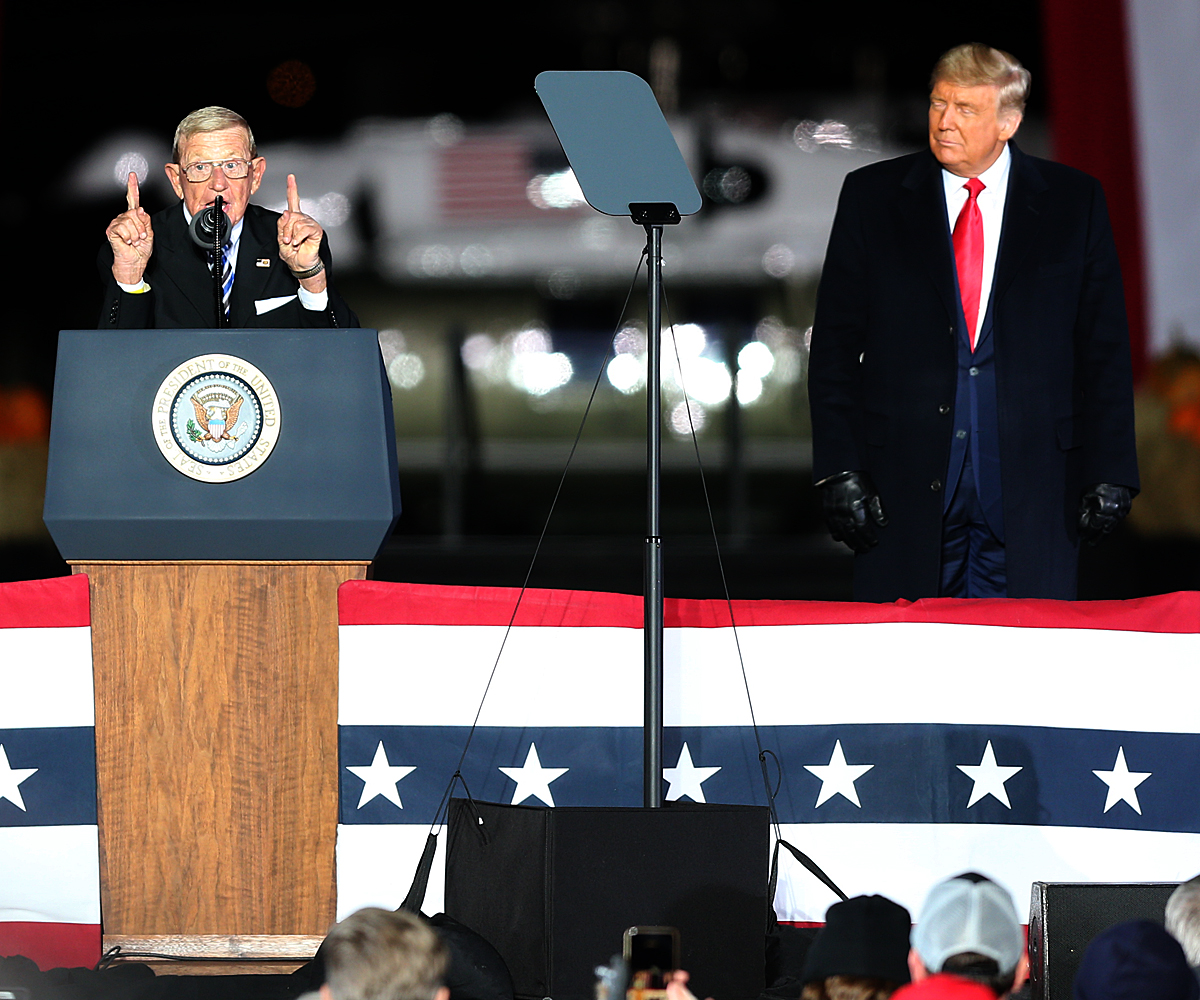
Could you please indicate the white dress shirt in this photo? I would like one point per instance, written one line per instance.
(991, 208)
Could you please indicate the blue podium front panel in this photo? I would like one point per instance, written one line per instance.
(221, 444)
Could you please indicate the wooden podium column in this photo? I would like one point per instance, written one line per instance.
(216, 750)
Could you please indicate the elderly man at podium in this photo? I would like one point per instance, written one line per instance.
(276, 267)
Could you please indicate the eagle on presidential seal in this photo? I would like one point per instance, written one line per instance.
(216, 416)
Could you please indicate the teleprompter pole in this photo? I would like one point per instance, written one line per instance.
(652, 627)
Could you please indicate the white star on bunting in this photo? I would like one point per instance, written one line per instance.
(533, 779)
(10, 780)
(989, 778)
(380, 778)
(838, 777)
(1122, 783)
(685, 778)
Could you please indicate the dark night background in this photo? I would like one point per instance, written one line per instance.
(67, 80)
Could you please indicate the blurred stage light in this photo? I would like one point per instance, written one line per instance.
(557, 190)
(563, 283)
(534, 340)
(627, 373)
(690, 340)
(678, 420)
(445, 129)
(630, 340)
(728, 185)
(332, 209)
(477, 351)
(539, 373)
(476, 261)
(706, 380)
(434, 261)
(391, 343)
(406, 371)
(749, 388)
(132, 162)
(755, 359)
(779, 260)
(772, 331)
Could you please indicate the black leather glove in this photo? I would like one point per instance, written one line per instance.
(1101, 509)
(853, 509)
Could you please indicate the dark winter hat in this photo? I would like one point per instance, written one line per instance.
(864, 936)
(1136, 960)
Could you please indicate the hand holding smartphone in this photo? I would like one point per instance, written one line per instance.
(652, 955)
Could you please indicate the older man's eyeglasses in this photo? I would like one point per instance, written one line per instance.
(201, 170)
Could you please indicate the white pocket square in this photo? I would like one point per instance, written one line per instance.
(266, 305)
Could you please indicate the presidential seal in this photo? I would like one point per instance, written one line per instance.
(216, 418)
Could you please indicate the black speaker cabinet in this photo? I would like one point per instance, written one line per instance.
(554, 889)
(1065, 916)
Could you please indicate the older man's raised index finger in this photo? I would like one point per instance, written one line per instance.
(132, 195)
(293, 194)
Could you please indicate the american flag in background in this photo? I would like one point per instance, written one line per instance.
(1031, 740)
(49, 846)
(483, 179)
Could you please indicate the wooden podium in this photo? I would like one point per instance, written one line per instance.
(215, 642)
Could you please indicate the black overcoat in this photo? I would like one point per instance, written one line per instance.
(882, 370)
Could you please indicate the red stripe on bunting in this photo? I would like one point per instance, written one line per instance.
(61, 602)
(50, 945)
(374, 603)
(1178, 612)
(368, 602)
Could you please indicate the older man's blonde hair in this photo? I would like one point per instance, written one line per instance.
(210, 119)
(975, 64)
(379, 954)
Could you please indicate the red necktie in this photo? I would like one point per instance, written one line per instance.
(968, 255)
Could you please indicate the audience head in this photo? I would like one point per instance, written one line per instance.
(861, 952)
(1136, 960)
(379, 954)
(1183, 918)
(970, 928)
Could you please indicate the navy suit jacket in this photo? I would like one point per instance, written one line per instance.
(181, 287)
(884, 377)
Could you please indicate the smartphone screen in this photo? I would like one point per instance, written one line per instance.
(652, 954)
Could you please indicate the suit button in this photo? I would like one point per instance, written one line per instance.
(973, 370)
(935, 485)
(943, 409)
(960, 434)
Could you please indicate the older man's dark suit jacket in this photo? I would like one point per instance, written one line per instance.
(181, 289)
(884, 366)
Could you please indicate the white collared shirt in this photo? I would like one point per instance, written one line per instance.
(991, 208)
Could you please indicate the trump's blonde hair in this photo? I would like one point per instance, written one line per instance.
(975, 64)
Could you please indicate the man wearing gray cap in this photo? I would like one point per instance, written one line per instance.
(967, 944)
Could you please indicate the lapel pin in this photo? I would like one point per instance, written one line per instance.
(263, 262)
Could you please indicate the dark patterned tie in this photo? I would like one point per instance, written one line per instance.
(226, 276)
